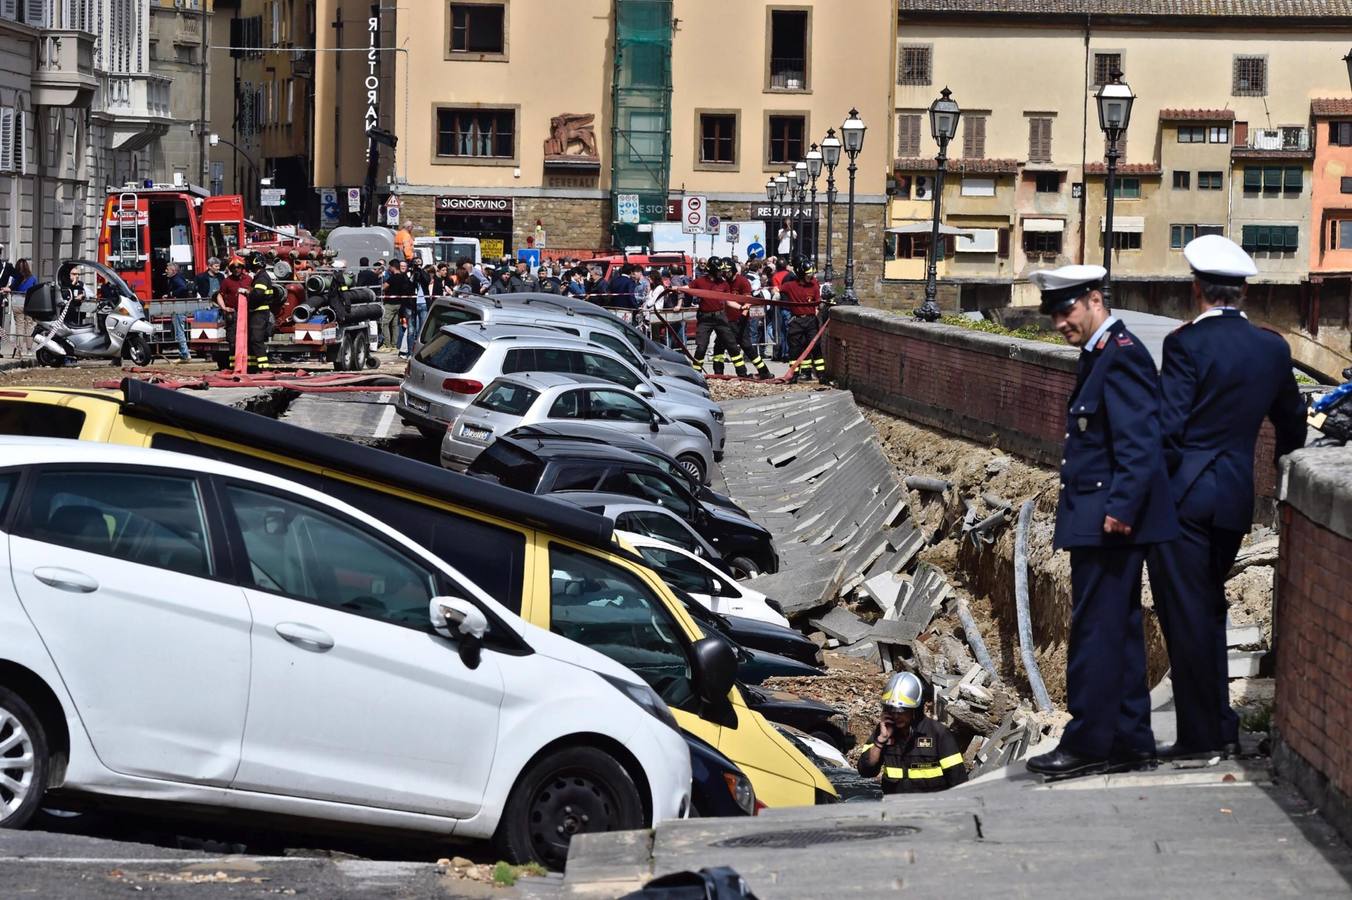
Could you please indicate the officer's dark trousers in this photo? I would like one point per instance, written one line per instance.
(709, 324)
(259, 320)
(1187, 579)
(1105, 675)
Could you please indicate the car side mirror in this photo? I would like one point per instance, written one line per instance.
(461, 621)
(715, 666)
(654, 424)
(643, 390)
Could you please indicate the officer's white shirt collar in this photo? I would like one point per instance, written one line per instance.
(1215, 311)
(1098, 335)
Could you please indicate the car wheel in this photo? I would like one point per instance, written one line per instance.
(138, 350)
(46, 357)
(575, 790)
(743, 568)
(23, 761)
(694, 466)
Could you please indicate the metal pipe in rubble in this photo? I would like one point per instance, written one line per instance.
(974, 639)
(923, 483)
(1044, 701)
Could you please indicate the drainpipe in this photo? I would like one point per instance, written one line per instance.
(1084, 138)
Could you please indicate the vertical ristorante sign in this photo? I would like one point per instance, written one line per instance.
(372, 82)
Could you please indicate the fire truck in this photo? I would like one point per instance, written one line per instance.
(147, 226)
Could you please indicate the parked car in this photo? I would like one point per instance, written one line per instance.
(146, 660)
(506, 542)
(450, 370)
(817, 719)
(714, 589)
(641, 444)
(754, 665)
(664, 359)
(528, 398)
(641, 517)
(556, 467)
(717, 786)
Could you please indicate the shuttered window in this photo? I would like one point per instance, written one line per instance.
(908, 134)
(974, 136)
(1340, 134)
(1271, 238)
(1040, 139)
(6, 140)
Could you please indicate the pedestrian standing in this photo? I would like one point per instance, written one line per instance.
(403, 241)
(782, 315)
(1114, 505)
(784, 245)
(1222, 376)
(712, 320)
(234, 288)
(739, 317)
(621, 294)
(914, 753)
(389, 315)
(401, 294)
(802, 298)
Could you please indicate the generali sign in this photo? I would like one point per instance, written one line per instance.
(498, 205)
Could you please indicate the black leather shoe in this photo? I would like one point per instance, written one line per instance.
(1177, 751)
(1063, 764)
(1133, 761)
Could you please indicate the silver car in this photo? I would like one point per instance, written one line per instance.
(667, 449)
(447, 373)
(641, 517)
(531, 398)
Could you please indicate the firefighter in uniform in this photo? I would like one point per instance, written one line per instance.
(914, 753)
(263, 295)
(1114, 505)
(1221, 377)
(739, 317)
(712, 320)
(236, 285)
(803, 296)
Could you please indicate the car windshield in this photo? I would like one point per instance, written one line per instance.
(506, 397)
(620, 348)
(450, 353)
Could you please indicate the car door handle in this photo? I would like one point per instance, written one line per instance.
(305, 637)
(66, 580)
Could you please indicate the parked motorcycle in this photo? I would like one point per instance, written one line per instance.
(1331, 413)
(120, 329)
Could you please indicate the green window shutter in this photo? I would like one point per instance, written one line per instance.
(1262, 237)
(1293, 179)
(1292, 237)
(1175, 237)
(1272, 179)
(1253, 178)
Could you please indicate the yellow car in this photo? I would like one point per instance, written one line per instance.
(559, 567)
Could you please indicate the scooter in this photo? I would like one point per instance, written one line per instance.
(120, 329)
(1331, 413)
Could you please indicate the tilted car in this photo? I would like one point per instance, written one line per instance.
(185, 630)
(715, 589)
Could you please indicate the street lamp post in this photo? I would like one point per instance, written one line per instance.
(853, 129)
(1114, 109)
(814, 169)
(800, 177)
(944, 115)
(831, 157)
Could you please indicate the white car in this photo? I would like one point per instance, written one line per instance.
(182, 630)
(715, 590)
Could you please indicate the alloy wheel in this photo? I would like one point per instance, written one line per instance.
(16, 763)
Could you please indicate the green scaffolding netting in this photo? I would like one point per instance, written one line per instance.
(641, 112)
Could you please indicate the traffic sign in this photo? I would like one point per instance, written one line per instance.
(392, 201)
(328, 207)
(755, 250)
(714, 222)
(694, 210)
(734, 232)
(391, 215)
(354, 199)
(272, 197)
(627, 209)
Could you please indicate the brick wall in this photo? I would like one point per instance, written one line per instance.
(1312, 631)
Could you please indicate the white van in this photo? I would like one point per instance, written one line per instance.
(183, 630)
(433, 250)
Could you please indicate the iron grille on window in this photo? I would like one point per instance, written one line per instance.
(914, 65)
(1105, 64)
(786, 139)
(718, 139)
(1250, 76)
(908, 134)
(487, 133)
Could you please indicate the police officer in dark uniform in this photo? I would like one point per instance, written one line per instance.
(1114, 505)
(1222, 376)
(712, 320)
(913, 753)
(263, 294)
(803, 296)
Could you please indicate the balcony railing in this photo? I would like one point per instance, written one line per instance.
(1296, 139)
(63, 71)
(787, 73)
(138, 105)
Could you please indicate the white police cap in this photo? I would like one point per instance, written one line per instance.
(1219, 259)
(1063, 286)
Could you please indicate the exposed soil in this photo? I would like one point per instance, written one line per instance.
(722, 390)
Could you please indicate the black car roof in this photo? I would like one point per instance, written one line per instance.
(549, 448)
(176, 408)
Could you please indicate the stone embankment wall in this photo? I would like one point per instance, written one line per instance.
(1312, 720)
(1001, 391)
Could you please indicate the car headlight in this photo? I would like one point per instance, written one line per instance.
(743, 794)
(718, 415)
(645, 697)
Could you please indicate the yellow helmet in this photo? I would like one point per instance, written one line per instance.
(903, 691)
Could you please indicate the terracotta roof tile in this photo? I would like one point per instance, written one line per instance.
(1197, 115)
(1277, 9)
(1330, 107)
(959, 166)
(1125, 169)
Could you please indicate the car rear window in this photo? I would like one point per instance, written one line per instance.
(506, 397)
(450, 353)
(511, 466)
(446, 315)
(40, 420)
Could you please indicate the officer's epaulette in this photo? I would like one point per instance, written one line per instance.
(1124, 340)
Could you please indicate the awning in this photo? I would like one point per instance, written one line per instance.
(928, 228)
(1124, 224)
(1044, 224)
